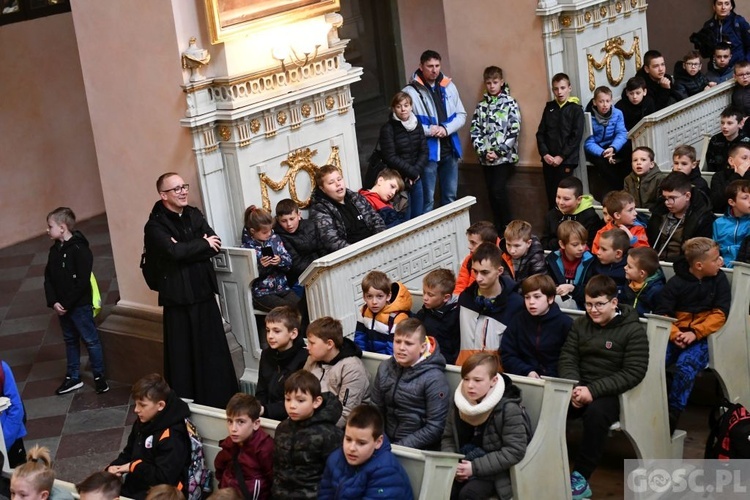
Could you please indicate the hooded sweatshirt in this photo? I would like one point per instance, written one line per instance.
(374, 333)
(345, 376)
(443, 325)
(584, 213)
(67, 277)
(644, 297)
(274, 368)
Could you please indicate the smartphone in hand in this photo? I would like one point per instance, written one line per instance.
(266, 252)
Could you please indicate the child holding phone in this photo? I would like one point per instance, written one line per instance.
(271, 288)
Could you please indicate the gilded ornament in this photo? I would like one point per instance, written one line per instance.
(306, 110)
(603, 11)
(613, 49)
(225, 133)
(281, 117)
(633, 3)
(330, 102)
(618, 7)
(254, 125)
(566, 21)
(587, 17)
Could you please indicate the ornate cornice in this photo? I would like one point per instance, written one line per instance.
(578, 16)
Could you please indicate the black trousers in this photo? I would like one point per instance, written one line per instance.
(496, 179)
(552, 177)
(472, 489)
(597, 417)
(197, 362)
(611, 175)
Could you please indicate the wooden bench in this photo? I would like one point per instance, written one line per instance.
(431, 473)
(544, 471)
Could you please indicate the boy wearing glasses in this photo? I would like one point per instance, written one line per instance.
(197, 363)
(688, 77)
(698, 295)
(683, 212)
(607, 352)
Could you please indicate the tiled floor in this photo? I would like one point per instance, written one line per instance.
(85, 430)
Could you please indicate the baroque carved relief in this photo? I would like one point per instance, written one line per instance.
(613, 49)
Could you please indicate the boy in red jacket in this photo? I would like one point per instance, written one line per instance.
(245, 461)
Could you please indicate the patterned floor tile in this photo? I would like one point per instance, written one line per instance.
(45, 427)
(30, 323)
(47, 406)
(78, 468)
(21, 340)
(116, 396)
(90, 443)
(95, 420)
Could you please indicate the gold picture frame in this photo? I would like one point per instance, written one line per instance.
(231, 18)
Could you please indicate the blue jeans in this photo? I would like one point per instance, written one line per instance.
(416, 200)
(78, 324)
(688, 363)
(447, 171)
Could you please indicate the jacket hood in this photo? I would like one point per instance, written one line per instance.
(504, 95)
(449, 306)
(441, 80)
(682, 269)
(174, 412)
(571, 100)
(656, 277)
(76, 239)
(373, 199)
(348, 350)
(282, 357)
(587, 201)
(400, 301)
(482, 305)
(430, 360)
(328, 412)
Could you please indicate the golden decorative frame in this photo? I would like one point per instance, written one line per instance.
(613, 48)
(276, 13)
(297, 161)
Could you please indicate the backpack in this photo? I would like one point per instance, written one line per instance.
(200, 478)
(730, 432)
(150, 269)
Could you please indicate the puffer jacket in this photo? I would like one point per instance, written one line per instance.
(382, 476)
(533, 343)
(303, 245)
(700, 305)
(425, 111)
(385, 210)
(556, 270)
(271, 279)
(67, 276)
(719, 75)
(729, 231)
(718, 148)
(403, 150)
(504, 437)
(483, 320)
(638, 230)
(530, 263)
(719, 182)
(255, 456)
(345, 376)
(495, 127)
(158, 451)
(414, 400)
(645, 190)
(183, 255)
(302, 448)
(646, 298)
(687, 85)
(375, 334)
(330, 223)
(613, 134)
(661, 97)
(584, 213)
(733, 29)
(560, 131)
(608, 360)
(273, 369)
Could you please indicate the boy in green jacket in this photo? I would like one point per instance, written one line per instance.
(607, 352)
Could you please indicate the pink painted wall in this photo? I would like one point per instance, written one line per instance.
(470, 37)
(130, 58)
(670, 25)
(47, 145)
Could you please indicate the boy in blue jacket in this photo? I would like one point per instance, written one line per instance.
(12, 418)
(731, 228)
(364, 467)
(645, 280)
(568, 265)
(604, 148)
(531, 345)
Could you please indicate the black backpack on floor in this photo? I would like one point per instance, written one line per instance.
(729, 436)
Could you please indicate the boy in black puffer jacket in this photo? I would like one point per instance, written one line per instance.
(158, 448)
(284, 355)
(688, 77)
(523, 254)
(300, 239)
(305, 439)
